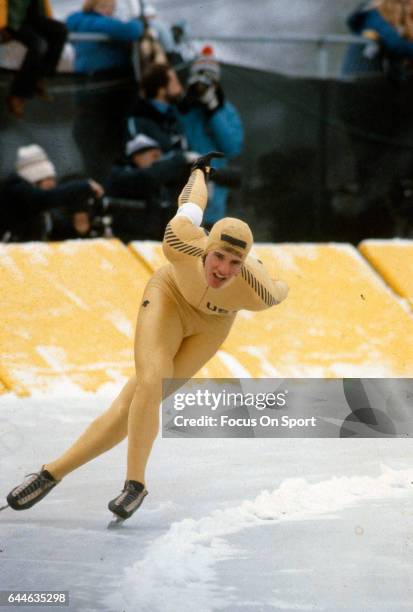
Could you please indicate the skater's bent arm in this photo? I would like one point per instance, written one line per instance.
(260, 291)
(183, 236)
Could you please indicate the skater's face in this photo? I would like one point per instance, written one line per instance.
(220, 267)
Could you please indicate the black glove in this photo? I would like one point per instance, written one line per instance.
(204, 163)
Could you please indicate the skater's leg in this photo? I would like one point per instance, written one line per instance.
(159, 334)
(111, 427)
(194, 351)
(102, 434)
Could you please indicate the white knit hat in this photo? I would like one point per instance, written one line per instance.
(206, 63)
(141, 143)
(33, 165)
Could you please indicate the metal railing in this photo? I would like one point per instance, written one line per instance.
(327, 50)
(322, 60)
(323, 43)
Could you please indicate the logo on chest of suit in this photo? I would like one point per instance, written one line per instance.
(216, 308)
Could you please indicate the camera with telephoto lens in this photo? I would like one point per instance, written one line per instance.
(198, 84)
(103, 211)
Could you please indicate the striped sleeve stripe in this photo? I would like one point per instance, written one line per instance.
(186, 193)
(259, 289)
(176, 243)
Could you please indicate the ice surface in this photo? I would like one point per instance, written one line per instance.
(247, 524)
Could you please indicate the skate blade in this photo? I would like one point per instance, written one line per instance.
(116, 522)
(4, 507)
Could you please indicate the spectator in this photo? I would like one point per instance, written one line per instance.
(33, 190)
(210, 122)
(102, 56)
(145, 175)
(157, 43)
(388, 25)
(375, 112)
(183, 49)
(155, 114)
(30, 23)
(98, 126)
(148, 13)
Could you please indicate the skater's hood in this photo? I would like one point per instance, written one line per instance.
(230, 234)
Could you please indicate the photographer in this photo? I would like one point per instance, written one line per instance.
(32, 200)
(210, 122)
(146, 177)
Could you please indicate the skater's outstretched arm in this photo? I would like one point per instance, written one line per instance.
(183, 231)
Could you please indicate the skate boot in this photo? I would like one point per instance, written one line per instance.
(204, 163)
(125, 504)
(32, 490)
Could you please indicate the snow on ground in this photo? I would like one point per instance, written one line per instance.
(230, 524)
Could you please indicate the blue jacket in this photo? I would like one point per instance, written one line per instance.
(392, 43)
(221, 131)
(96, 56)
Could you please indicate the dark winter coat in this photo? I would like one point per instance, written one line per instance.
(158, 121)
(22, 204)
(156, 186)
(128, 181)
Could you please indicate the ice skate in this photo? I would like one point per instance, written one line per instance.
(125, 504)
(32, 490)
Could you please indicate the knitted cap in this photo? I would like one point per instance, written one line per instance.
(140, 143)
(33, 165)
(206, 63)
(230, 233)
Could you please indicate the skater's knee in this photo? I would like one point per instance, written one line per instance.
(152, 371)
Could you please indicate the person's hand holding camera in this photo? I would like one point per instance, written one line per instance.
(206, 91)
(210, 98)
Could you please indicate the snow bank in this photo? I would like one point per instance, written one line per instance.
(177, 572)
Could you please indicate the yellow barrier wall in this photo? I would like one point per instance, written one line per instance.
(68, 313)
(393, 259)
(3, 389)
(338, 320)
(150, 253)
